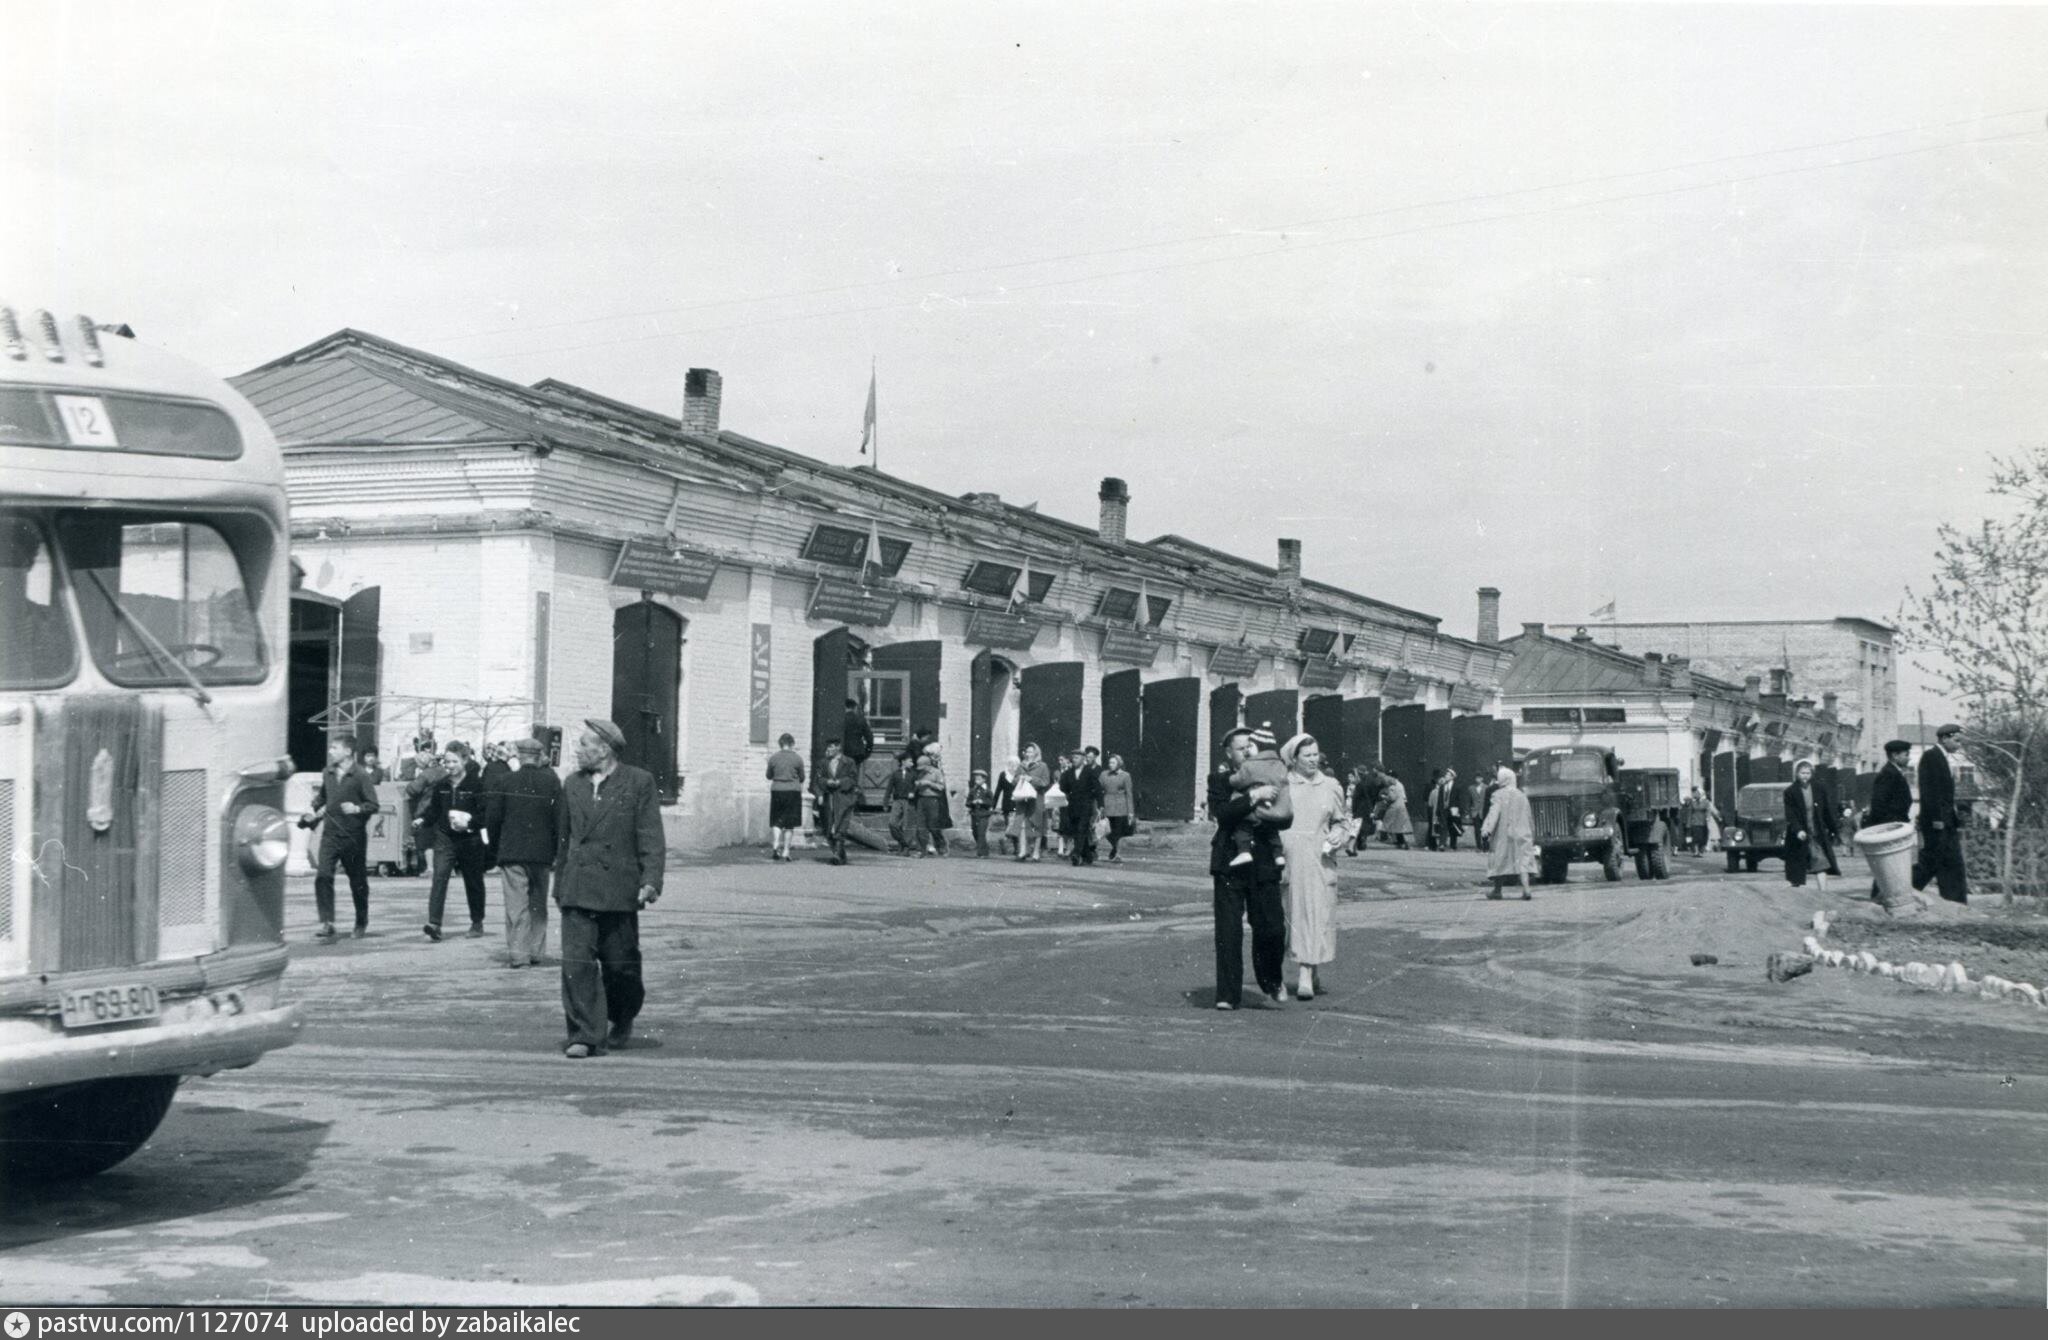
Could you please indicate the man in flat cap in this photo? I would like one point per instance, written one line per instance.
(607, 867)
(1941, 837)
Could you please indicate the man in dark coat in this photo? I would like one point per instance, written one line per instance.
(835, 781)
(607, 867)
(342, 807)
(1083, 786)
(1891, 791)
(497, 766)
(1941, 835)
(524, 822)
(1245, 892)
(857, 738)
(453, 820)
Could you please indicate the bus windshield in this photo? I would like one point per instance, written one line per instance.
(160, 593)
(38, 650)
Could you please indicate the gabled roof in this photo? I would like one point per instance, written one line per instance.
(346, 399)
(1544, 664)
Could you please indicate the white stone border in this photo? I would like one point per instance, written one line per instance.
(1950, 980)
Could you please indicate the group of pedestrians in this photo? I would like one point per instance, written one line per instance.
(597, 839)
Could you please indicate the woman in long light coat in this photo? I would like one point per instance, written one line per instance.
(1322, 823)
(1395, 821)
(1510, 832)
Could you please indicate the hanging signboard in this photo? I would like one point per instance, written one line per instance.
(1467, 697)
(838, 600)
(1400, 686)
(1002, 628)
(1321, 672)
(1129, 646)
(1235, 661)
(655, 565)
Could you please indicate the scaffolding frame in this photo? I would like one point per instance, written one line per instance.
(477, 719)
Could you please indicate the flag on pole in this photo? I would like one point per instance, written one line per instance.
(1143, 614)
(867, 421)
(873, 567)
(1604, 612)
(1022, 590)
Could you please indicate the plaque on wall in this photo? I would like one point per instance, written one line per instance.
(656, 565)
(1234, 662)
(1400, 686)
(838, 600)
(1321, 672)
(1467, 697)
(1129, 646)
(1002, 628)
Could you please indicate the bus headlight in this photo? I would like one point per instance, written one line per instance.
(262, 839)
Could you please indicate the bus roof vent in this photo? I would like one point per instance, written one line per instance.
(10, 335)
(53, 347)
(94, 355)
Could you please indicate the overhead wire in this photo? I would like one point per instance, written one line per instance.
(1195, 239)
(1286, 248)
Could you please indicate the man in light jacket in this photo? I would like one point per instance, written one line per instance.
(608, 866)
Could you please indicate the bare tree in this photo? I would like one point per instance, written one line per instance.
(1981, 626)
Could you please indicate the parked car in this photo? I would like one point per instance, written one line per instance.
(1758, 833)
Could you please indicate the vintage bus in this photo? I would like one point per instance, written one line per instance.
(144, 578)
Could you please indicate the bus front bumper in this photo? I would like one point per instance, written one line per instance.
(202, 1047)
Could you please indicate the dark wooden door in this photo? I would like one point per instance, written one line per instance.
(1049, 708)
(1323, 717)
(1278, 710)
(647, 680)
(981, 713)
(1362, 732)
(360, 657)
(828, 691)
(1725, 785)
(1226, 709)
(1165, 770)
(1503, 750)
(1471, 746)
(1401, 751)
(1121, 707)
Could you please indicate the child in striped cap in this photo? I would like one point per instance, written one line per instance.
(1263, 768)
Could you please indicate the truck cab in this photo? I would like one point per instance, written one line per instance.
(1576, 800)
(1758, 833)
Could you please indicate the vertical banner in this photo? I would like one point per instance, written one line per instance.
(757, 698)
(540, 655)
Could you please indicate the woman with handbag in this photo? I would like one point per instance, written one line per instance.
(1034, 779)
(1004, 798)
(1117, 806)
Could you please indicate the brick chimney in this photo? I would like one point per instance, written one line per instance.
(1781, 681)
(1752, 687)
(1681, 671)
(1290, 564)
(702, 389)
(1829, 701)
(1653, 668)
(1532, 630)
(1489, 615)
(1116, 508)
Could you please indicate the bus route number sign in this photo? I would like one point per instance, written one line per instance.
(86, 421)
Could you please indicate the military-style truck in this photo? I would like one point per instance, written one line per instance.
(1587, 807)
(1758, 833)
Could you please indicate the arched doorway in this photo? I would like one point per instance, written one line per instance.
(647, 681)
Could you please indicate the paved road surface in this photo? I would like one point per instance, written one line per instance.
(985, 1083)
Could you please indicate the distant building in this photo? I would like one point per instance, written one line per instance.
(1847, 662)
(561, 555)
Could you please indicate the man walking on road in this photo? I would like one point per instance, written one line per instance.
(524, 821)
(835, 784)
(343, 806)
(608, 867)
(452, 822)
(1245, 892)
(1941, 836)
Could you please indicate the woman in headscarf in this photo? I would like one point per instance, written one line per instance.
(1510, 831)
(1116, 802)
(1396, 824)
(1811, 829)
(1034, 778)
(1321, 825)
(933, 819)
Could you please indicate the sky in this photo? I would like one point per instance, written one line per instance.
(1711, 311)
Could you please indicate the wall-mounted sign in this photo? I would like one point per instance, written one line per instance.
(1467, 697)
(1002, 628)
(1320, 672)
(757, 697)
(1400, 685)
(840, 601)
(655, 565)
(1128, 646)
(1234, 661)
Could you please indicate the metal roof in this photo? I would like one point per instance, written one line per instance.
(1546, 664)
(348, 399)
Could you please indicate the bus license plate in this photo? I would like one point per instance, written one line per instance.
(98, 1006)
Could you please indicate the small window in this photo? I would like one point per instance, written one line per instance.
(847, 548)
(1039, 587)
(1318, 641)
(1605, 716)
(992, 579)
(885, 696)
(1550, 716)
(1121, 606)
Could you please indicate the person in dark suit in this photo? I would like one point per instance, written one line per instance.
(523, 819)
(1891, 791)
(1245, 892)
(857, 738)
(342, 807)
(836, 781)
(1812, 827)
(608, 865)
(1941, 836)
(453, 820)
(1083, 786)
